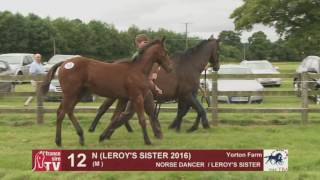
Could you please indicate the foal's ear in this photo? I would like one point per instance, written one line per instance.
(163, 39)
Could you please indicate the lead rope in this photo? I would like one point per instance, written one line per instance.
(205, 82)
(157, 110)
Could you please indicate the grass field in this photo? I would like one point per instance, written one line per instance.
(19, 135)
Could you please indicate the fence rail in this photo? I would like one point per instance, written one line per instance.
(304, 109)
(305, 92)
(92, 109)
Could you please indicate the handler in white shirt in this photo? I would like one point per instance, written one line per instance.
(36, 67)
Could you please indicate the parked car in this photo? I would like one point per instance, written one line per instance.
(263, 67)
(310, 64)
(5, 86)
(18, 62)
(225, 85)
(56, 59)
(55, 84)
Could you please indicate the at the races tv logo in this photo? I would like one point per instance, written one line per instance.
(46, 160)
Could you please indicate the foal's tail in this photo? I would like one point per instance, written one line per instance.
(46, 83)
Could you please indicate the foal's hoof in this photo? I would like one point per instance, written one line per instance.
(172, 126)
(148, 142)
(205, 126)
(129, 129)
(58, 143)
(91, 129)
(192, 129)
(81, 141)
(102, 138)
(159, 136)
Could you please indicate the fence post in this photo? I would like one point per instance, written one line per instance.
(39, 103)
(304, 97)
(214, 99)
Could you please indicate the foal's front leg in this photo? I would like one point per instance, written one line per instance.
(138, 103)
(183, 108)
(102, 109)
(123, 118)
(150, 110)
(115, 121)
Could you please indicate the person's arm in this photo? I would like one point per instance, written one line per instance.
(154, 71)
(207, 66)
(32, 69)
(42, 70)
(135, 55)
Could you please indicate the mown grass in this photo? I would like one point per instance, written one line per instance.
(19, 135)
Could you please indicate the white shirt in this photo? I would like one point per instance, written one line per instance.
(36, 68)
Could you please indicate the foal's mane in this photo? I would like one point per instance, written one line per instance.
(142, 50)
(189, 52)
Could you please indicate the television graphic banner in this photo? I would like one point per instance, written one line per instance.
(160, 160)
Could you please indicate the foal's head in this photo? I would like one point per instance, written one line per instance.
(156, 49)
(214, 58)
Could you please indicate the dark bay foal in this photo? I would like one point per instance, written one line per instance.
(181, 85)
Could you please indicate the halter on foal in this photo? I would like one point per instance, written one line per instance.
(124, 80)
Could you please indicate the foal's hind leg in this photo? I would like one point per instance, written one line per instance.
(60, 117)
(69, 102)
(77, 127)
(195, 124)
(201, 112)
(66, 106)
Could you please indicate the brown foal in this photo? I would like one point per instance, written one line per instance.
(123, 80)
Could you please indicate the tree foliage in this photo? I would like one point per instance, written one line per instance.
(103, 41)
(259, 46)
(93, 39)
(298, 21)
(230, 46)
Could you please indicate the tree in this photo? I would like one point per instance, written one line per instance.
(230, 53)
(105, 39)
(40, 35)
(95, 39)
(283, 50)
(230, 38)
(297, 20)
(174, 41)
(230, 46)
(72, 36)
(14, 32)
(259, 46)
